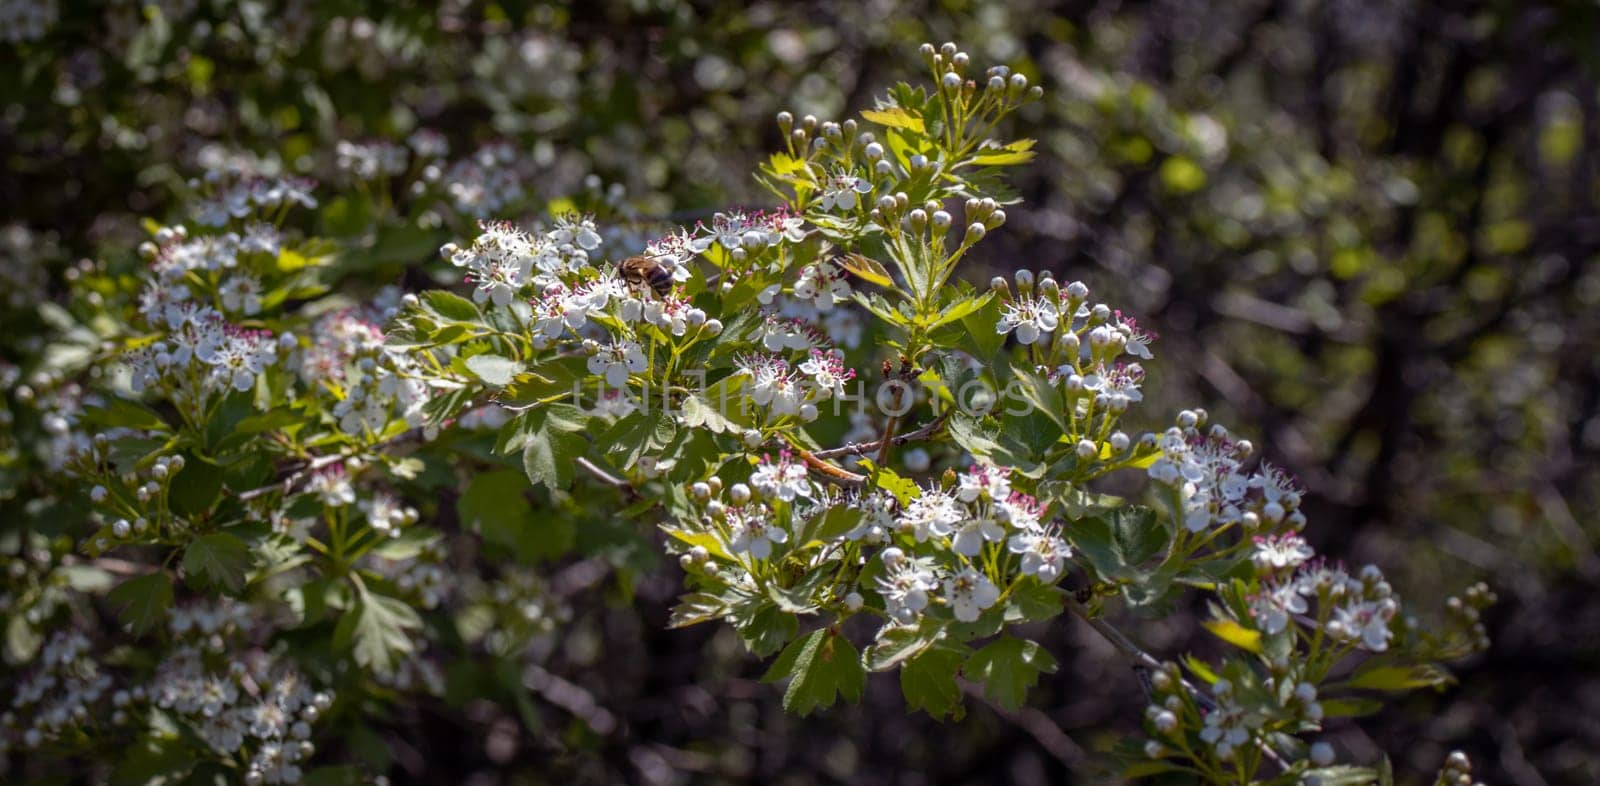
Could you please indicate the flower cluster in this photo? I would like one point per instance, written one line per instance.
(1351, 609)
(1214, 488)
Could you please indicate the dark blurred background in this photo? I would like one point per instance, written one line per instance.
(1366, 231)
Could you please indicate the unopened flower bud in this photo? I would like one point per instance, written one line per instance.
(1305, 692)
(1165, 722)
(1087, 449)
(701, 490)
(739, 493)
(941, 219)
(853, 601)
(1321, 754)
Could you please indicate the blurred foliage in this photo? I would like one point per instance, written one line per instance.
(1366, 227)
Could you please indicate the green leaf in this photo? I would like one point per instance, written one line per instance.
(980, 338)
(141, 603)
(219, 560)
(494, 369)
(552, 448)
(1035, 601)
(1037, 390)
(895, 117)
(1235, 634)
(380, 629)
(928, 681)
(450, 307)
(1008, 667)
(831, 524)
(1380, 675)
(821, 667)
(762, 626)
(196, 487)
(695, 608)
(124, 413)
(1018, 152)
(867, 269)
(1118, 542)
(899, 644)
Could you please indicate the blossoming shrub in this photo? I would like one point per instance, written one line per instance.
(862, 462)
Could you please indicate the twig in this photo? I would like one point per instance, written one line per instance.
(1041, 727)
(864, 448)
(294, 477)
(602, 475)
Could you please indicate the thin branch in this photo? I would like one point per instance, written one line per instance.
(831, 472)
(290, 480)
(865, 448)
(1041, 727)
(603, 476)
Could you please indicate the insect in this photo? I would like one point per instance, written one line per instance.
(643, 270)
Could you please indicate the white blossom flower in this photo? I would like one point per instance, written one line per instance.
(1227, 726)
(1138, 339)
(1031, 318)
(615, 361)
(385, 514)
(1276, 552)
(241, 294)
(1275, 606)
(971, 534)
(754, 531)
(778, 334)
(984, 482)
(822, 284)
(934, 513)
(842, 191)
(905, 585)
(1044, 552)
(332, 485)
(237, 361)
(827, 372)
(771, 383)
(783, 479)
(969, 593)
